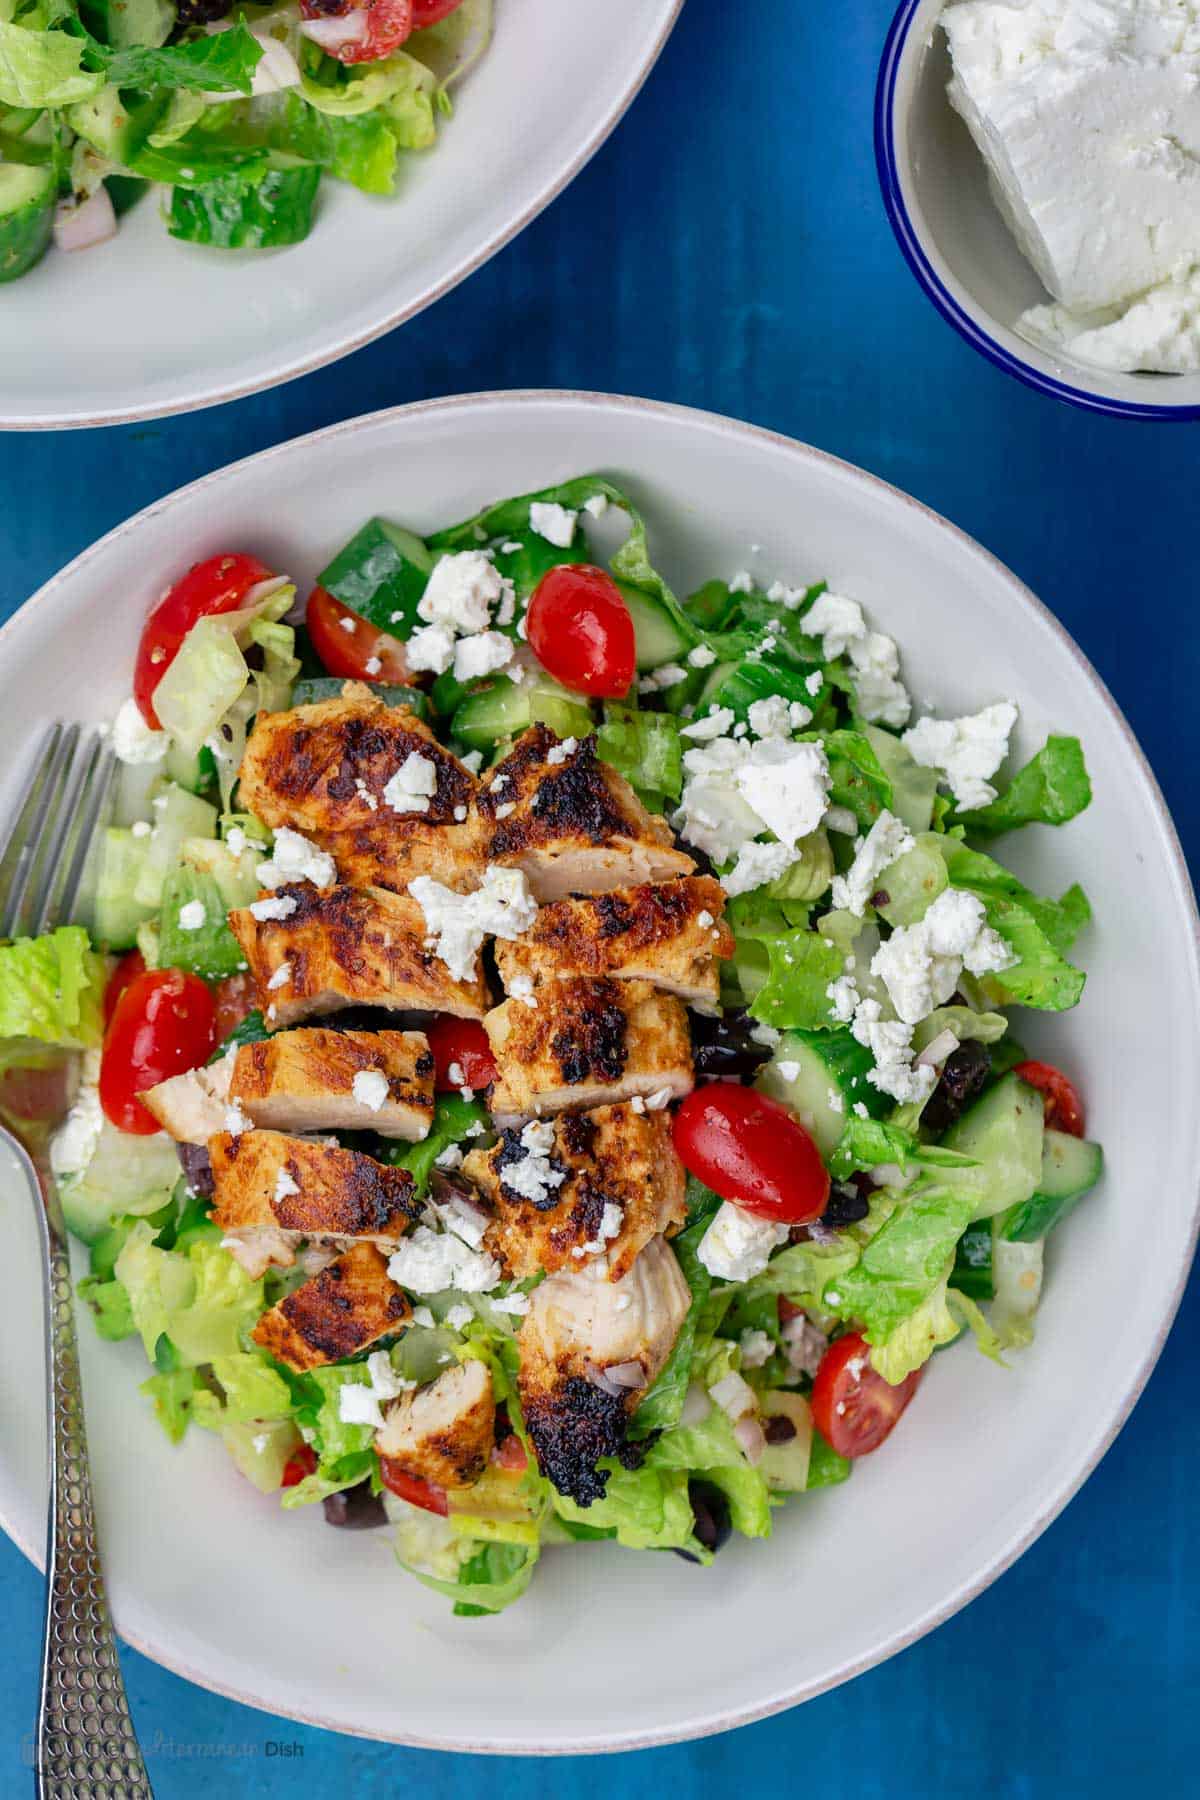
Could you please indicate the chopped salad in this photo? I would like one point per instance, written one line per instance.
(549, 1064)
(236, 113)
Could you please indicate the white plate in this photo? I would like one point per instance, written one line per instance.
(143, 326)
(613, 1649)
(935, 188)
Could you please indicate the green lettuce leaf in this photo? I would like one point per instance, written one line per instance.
(801, 965)
(491, 1579)
(645, 748)
(109, 1305)
(226, 60)
(1038, 931)
(1051, 789)
(174, 1395)
(902, 1265)
(663, 1402)
(857, 777)
(43, 68)
(453, 1118)
(711, 1449)
(645, 1509)
(52, 989)
(201, 1300)
(866, 1143)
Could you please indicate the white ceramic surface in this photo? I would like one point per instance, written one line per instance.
(143, 326)
(610, 1649)
(936, 186)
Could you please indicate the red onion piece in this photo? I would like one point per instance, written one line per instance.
(80, 227)
(751, 1438)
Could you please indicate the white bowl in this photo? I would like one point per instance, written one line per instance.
(936, 192)
(144, 326)
(611, 1649)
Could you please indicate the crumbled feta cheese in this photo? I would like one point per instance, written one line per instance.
(280, 906)
(503, 907)
(882, 697)
(835, 1101)
(74, 1143)
(413, 785)
(369, 800)
(597, 506)
(966, 751)
(357, 1405)
(887, 839)
(837, 622)
(285, 1186)
(141, 828)
(714, 725)
(517, 1304)
(520, 988)
(843, 997)
(841, 820)
(133, 741)
(920, 964)
(788, 1070)
(558, 753)
(370, 1088)
(236, 1121)
(450, 1158)
(757, 1348)
(658, 1100)
(770, 717)
(738, 1246)
(704, 919)
(890, 1044)
(742, 582)
(787, 597)
(502, 812)
(386, 1384)
(459, 1316)
(461, 592)
(348, 624)
(661, 678)
(422, 1316)
(757, 864)
(373, 665)
(701, 657)
(814, 682)
(638, 1104)
(430, 647)
(481, 655)
(295, 858)
(786, 785)
(532, 1176)
(461, 1216)
(429, 1262)
(553, 522)
(192, 915)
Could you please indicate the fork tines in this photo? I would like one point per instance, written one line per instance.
(45, 851)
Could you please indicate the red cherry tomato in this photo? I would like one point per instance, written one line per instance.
(580, 630)
(374, 28)
(426, 1494)
(348, 645)
(752, 1150)
(218, 585)
(163, 1023)
(233, 997)
(1064, 1108)
(853, 1407)
(430, 12)
(510, 1454)
(463, 1045)
(132, 964)
(300, 1463)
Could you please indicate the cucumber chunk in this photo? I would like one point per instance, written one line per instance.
(226, 214)
(208, 948)
(121, 23)
(125, 1174)
(27, 194)
(502, 709)
(117, 121)
(829, 1079)
(784, 1466)
(738, 685)
(176, 815)
(329, 687)
(1071, 1167)
(381, 574)
(972, 1272)
(658, 637)
(1003, 1133)
(117, 914)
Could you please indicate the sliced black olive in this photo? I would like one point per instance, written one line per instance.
(963, 1075)
(712, 1525)
(724, 1046)
(197, 1169)
(355, 1508)
(200, 12)
(779, 1429)
(847, 1205)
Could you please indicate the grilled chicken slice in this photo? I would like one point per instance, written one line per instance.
(323, 769)
(339, 1312)
(622, 1184)
(670, 934)
(589, 1348)
(444, 1432)
(318, 1079)
(587, 1043)
(271, 1191)
(194, 1106)
(346, 946)
(574, 826)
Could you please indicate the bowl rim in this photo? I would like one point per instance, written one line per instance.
(510, 227)
(1051, 1506)
(913, 250)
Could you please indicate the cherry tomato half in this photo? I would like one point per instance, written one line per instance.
(752, 1150)
(163, 1023)
(510, 1454)
(219, 585)
(349, 645)
(463, 1045)
(430, 12)
(580, 630)
(131, 965)
(300, 1463)
(374, 28)
(234, 996)
(1064, 1108)
(853, 1407)
(426, 1494)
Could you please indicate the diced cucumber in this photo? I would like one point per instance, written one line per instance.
(147, 943)
(126, 1174)
(659, 638)
(176, 815)
(117, 121)
(121, 23)
(755, 678)
(972, 1273)
(914, 882)
(828, 1081)
(914, 788)
(117, 914)
(1003, 1133)
(207, 948)
(712, 605)
(501, 708)
(381, 574)
(531, 556)
(27, 195)
(192, 772)
(1071, 1167)
(236, 876)
(226, 214)
(329, 687)
(784, 1466)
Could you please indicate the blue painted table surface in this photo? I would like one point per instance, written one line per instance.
(728, 249)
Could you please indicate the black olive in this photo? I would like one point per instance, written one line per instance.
(846, 1206)
(711, 1521)
(779, 1429)
(197, 1169)
(200, 12)
(963, 1075)
(724, 1046)
(355, 1508)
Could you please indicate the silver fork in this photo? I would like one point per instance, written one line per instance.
(86, 1744)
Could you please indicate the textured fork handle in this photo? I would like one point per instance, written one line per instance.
(85, 1739)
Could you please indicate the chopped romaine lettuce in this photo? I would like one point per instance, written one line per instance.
(51, 989)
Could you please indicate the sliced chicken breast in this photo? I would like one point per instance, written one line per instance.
(344, 946)
(318, 1079)
(444, 1432)
(271, 1191)
(340, 1312)
(573, 825)
(670, 934)
(194, 1106)
(328, 770)
(589, 1348)
(619, 1184)
(585, 1043)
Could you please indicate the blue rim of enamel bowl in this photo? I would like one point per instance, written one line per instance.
(915, 256)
